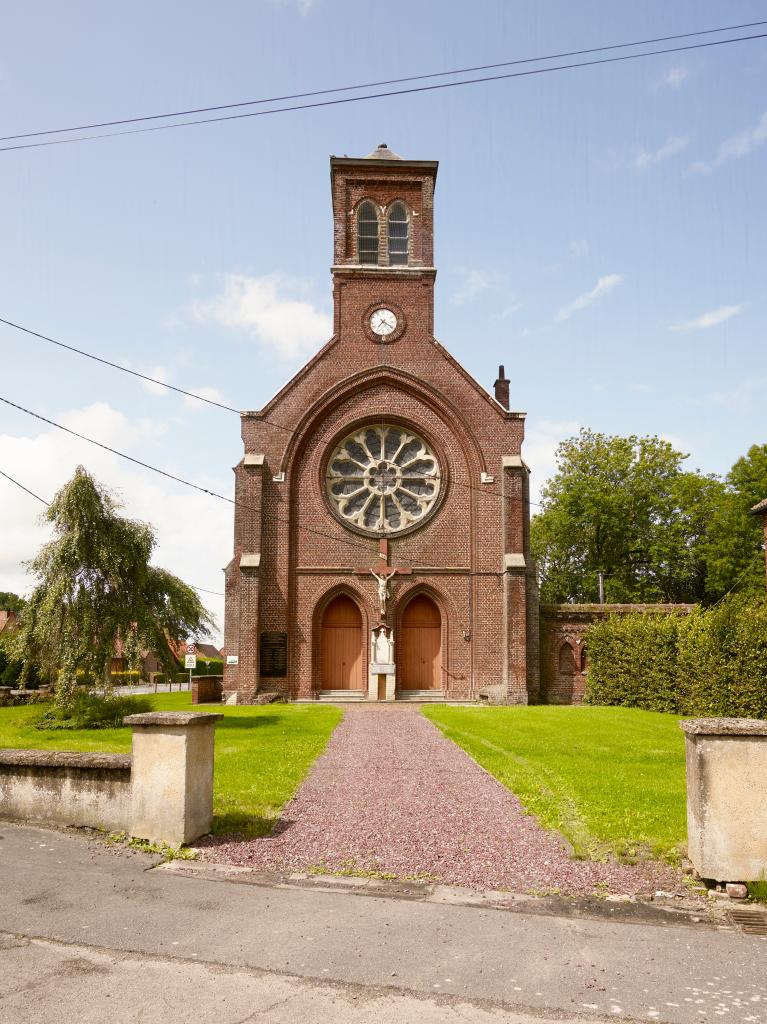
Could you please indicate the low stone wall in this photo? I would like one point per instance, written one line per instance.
(77, 789)
(207, 689)
(564, 659)
(162, 792)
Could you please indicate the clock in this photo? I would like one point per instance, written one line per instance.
(383, 322)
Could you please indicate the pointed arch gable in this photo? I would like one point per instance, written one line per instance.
(366, 380)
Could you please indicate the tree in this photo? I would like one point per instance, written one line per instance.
(625, 506)
(10, 602)
(734, 543)
(95, 587)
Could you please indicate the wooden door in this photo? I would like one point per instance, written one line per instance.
(341, 645)
(419, 665)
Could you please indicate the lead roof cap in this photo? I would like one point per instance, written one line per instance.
(383, 152)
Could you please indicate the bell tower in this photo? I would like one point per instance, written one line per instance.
(383, 244)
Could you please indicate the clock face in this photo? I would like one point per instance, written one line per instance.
(383, 322)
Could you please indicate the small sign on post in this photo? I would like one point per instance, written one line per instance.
(190, 662)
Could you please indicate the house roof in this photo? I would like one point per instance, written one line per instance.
(8, 621)
(207, 651)
(759, 507)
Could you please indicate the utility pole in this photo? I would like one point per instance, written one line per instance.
(601, 578)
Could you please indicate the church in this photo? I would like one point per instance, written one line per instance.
(382, 516)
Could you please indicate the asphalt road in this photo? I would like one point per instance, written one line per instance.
(92, 934)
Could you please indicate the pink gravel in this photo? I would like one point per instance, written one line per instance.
(391, 794)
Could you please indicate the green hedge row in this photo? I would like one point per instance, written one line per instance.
(710, 663)
(128, 678)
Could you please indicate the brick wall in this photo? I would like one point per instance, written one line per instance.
(563, 653)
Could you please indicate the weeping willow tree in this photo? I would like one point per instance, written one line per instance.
(96, 593)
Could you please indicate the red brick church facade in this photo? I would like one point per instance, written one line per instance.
(382, 455)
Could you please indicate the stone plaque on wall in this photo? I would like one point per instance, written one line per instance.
(273, 655)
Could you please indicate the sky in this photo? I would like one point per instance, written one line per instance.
(600, 231)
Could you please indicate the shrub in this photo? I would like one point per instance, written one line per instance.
(710, 663)
(127, 678)
(209, 667)
(11, 675)
(633, 661)
(161, 678)
(723, 660)
(92, 711)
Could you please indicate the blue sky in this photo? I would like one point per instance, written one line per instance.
(600, 231)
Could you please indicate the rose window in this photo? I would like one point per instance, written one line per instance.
(383, 479)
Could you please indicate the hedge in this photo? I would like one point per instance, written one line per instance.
(129, 678)
(712, 662)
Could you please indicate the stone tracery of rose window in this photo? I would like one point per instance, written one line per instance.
(383, 479)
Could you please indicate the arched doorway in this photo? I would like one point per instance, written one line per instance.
(341, 646)
(419, 663)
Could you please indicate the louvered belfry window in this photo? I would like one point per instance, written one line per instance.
(367, 233)
(398, 235)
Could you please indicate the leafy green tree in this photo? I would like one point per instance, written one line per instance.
(734, 543)
(10, 602)
(95, 586)
(623, 505)
(627, 506)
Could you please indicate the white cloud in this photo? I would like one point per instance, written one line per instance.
(478, 281)
(603, 287)
(541, 440)
(269, 309)
(735, 148)
(674, 77)
(674, 144)
(712, 318)
(737, 399)
(579, 248)
(194, 530)
(302, 6)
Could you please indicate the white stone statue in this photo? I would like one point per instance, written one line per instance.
(383, 646)
(383, 591)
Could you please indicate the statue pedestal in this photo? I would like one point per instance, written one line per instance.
(382, 681)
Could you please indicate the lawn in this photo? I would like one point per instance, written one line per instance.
(612, 780)
(262, 753)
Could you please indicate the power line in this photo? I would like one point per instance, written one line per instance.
(376, 85)
(198, 487)
(118, 366)
(387, 94)
(170, 476)
(14, 481)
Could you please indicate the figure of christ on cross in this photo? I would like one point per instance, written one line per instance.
(383, 572)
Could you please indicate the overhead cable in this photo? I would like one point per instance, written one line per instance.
(384, 95)
(375, 85)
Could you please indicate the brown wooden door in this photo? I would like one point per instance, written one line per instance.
(419, 664)
(341, 645)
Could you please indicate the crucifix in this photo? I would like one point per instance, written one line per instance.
(382, 572)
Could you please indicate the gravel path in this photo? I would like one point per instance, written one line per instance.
(391, 794)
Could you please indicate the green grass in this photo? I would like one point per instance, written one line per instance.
(262, 753)
(612, 780)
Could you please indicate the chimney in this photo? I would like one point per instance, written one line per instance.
(502, 389)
